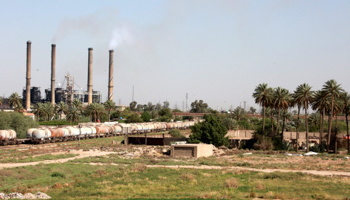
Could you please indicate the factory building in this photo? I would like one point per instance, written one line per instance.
(69, 94)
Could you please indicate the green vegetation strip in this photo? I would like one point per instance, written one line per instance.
(82, 181)
(37, 158)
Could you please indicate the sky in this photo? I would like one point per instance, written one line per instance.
(217, 51)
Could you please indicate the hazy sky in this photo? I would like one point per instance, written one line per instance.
(214, 50)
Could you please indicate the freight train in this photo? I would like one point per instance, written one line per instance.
(88, 130)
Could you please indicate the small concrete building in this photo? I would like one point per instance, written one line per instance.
(192, 150)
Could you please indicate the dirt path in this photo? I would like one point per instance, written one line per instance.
(313, 172)
(82, 154)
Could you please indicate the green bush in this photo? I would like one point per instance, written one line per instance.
(18, 122)
(57, 174)
(283, 175)
(176, 134)
(210, 131)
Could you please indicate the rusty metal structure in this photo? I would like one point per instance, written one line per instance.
(89, 85)
(29, 56)
(53, 69)
(110, 80)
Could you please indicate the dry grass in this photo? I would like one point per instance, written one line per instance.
(139, 167)
(188, 177)
(259, 186)
(232, 183)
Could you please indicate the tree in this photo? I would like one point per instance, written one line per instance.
(165, 115)
(210, 131)
(230, 123)
(303, 96)
(198, 107)
(133, 106)
(49, 110)
(252, 110)
(100, 110)
(345, 97)
(61, 108)
(282, 100)
(321, 102)
(38, 109)
(166, 104)
(239, 114)
(158, 106)
(333, 90)
(15, 101)
(133, 118)
(176, 110)
(92, 110)
(73, 114)
(78, 104)
(262, 95)
(146, 116)
(18, 122)
(109, 106)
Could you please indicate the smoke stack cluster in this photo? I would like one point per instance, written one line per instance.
(89, 85)
(53, 69)
(29, 55)
(110, 81)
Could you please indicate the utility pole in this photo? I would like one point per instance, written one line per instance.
(186, 102)
(132, 92)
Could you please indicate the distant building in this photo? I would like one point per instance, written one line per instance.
(35, 95)
(121, 107)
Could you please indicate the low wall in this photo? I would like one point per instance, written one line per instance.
(154, 140)
(235, 134)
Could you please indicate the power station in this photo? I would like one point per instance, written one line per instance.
(56, 95)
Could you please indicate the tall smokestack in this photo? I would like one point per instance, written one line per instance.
(110, 82)
(90, 77)
(29, 55)
(53, 69)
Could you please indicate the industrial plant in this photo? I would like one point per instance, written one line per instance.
(67, 95)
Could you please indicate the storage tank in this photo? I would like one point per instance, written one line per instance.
(30, 132)
(4, 134)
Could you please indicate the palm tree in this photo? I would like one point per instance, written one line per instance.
(38, 109)
(298, 104)
(282, 101)
(15, 100)
(60, 108)
(73, 114)
(49, 110)
(261, 95)
(100, 110)
(333, 90)
(109, 105)
(93, 110)
(320, 102)
(303, 94)
(346, 101)
(238, 113)
(78, 104)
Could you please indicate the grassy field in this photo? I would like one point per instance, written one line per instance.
(82, 181)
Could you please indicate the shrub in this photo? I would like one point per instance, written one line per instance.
(57, 174)
(18, 122)
(176, 134)
(210, 131)
(283, 175)
(232, 183)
